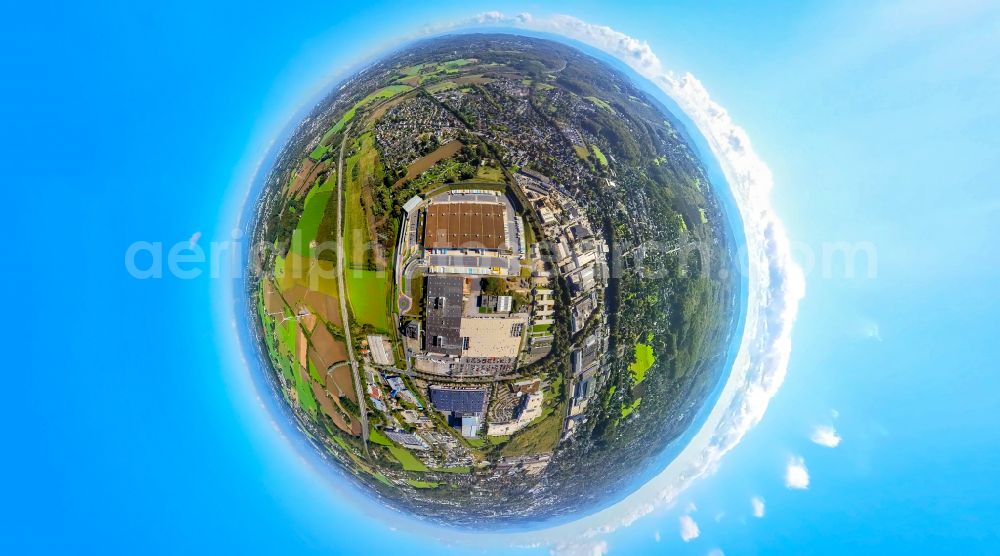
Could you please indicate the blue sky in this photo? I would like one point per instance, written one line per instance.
(129, 428)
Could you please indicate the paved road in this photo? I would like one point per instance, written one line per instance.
(362, 406)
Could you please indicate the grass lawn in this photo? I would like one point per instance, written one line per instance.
(314, 372)
(600, 156)
(498, 439)
(279, 269)
(342, 443)
(476, 442)
(540, 328)
(538, 438)
(600, 103)
(286, 367)
(312, 214)
(378, 438)
(319, 151)
(453, 469)
(409, 461)
(410, 71)
(367, 291)
(628, 409)
(416, 291)
(441, 86)
(286, 332)
(385, 92)
(357, 168)
(422, 484)
(304, 392)
(644, 359)
(489, 173)
(452, 64)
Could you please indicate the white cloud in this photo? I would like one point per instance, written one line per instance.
(825, 435)
(716, 552)
(757, 503)
(796, 474)
(595, 548)
(690, 508)
(689, 529)
(656, 536)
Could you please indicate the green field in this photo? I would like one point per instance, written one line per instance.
(600, 103)
(644, 359)
(453, 469)
(304, 392)
(385, 92)
(489, 173)
(319, 151)
(363, 164)
(286, 332)
(410, 71)
(409, 461)
(444, 68)
(454, 64)
(367, 292)
(540, 437)
(378, 438)
(279, 269)
(540, 328)
(312, 215)
(476, 442)
(286, 367)
(422, 484)
(342, 443)
(600, 156)
(314, 372)
(628, 409)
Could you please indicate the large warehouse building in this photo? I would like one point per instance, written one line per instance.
(444, 315)
(466, 226)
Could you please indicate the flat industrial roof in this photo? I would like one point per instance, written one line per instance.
(458, 400)
(444, 314)
(465, 225)
(492, 337)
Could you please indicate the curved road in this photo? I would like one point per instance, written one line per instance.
(341, 278)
